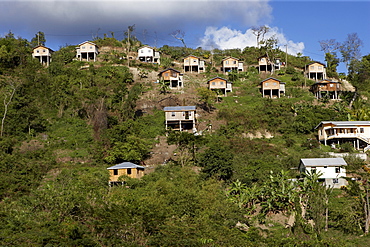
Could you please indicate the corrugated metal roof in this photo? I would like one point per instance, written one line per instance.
(344, 123)
(324, 162)
(179, 108)
(125, 165)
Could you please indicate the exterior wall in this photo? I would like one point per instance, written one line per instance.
(217, 83)
(135, 173)
(191, 61)
(315, 68)
(271, 84)
(332, 175)
(88, 47)
(179, 115)
(230, 63)
(146, 52)
(41, 51)
(262, 61)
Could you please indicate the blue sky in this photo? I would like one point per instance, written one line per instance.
(206, 23)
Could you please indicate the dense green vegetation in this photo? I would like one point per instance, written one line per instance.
(63, 125)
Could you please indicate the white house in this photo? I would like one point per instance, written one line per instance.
(180, 117)
(337, 132)
(148, 54)
(332, 170)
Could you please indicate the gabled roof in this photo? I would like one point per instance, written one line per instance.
(39, 46)
(88, 43)
(230, 57)
(125, 165)
(319, 162)
(192, 56)
(272, 78)
(146, 46)
(315, 62)
(344, 123)
(179, 108)
(169, 69)
(217, 77)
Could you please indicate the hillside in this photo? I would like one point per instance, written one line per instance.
(232, 185)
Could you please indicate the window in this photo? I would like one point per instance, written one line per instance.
(37, 51)
(83, 47)
(213, 83)
(234, 62)
(91, 47)
(266, 84)
(226, 62)
(337, 169)
(115, 172)
(361, 130)
(221, 83)
(313, 169)
(335, 180)
(331, 85)
(312, 67)
(173, 114)
(274, 83)
(262, 59)
(44, 50)
(142, 51)
(129, 171)
(194, 61)
(325, 167)
(186, 60)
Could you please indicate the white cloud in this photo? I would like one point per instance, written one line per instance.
(226, 38)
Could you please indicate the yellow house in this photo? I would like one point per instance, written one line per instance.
(315, 71)
(218, 83)
(231, 64)
(126, 168)
(272, 88)
(43, 54)
(193, 64)
(87, 51)
(172, 77)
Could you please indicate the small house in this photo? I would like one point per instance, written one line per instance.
(266, 65)
(43, 54)
(231, 64)
(124, 169)
(221, 84)
(326, 88)
(337, 132)
(193, 64)
(87, 51)
(148, 54)
(332, 170)
(315, 71)
(172, 77)
(272, 88)
(180, 117)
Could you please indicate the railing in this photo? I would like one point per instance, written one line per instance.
(349, 135)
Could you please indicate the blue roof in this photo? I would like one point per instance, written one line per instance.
(125, 165)
(179, 108)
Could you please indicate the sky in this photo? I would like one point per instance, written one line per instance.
(224, 24)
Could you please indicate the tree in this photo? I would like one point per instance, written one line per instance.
(350, 49)
(9, 89)
(260, 32)
(179, 35)
(39, 39)
(206, 97)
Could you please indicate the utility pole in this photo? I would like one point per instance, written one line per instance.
(286, 56)
(128, 46)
